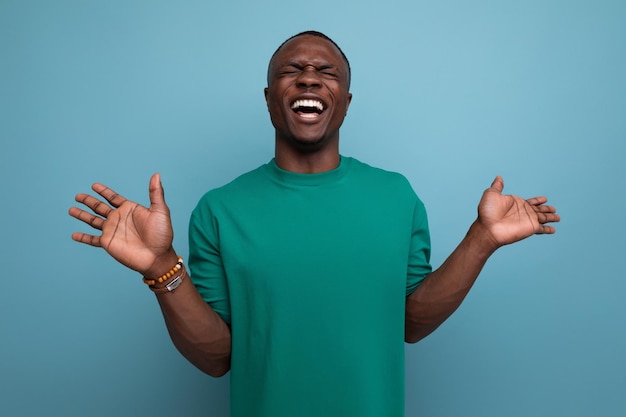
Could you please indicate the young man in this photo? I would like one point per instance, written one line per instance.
(311, 270)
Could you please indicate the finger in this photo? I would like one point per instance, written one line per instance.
(90, 240)
(157, 194)
(535, 201)
(497, 184)
(544, 209)
(544, 218)
(545, 230)
(549, 218)
(111, 196)
(94, 204)
(93, 221)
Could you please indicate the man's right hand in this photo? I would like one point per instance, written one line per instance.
(141, 239)
(137, 237)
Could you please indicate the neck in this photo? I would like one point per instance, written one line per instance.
(311, 162)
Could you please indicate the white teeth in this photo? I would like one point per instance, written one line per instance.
(308, 103)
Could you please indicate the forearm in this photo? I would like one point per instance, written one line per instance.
(196, 330)
(441, 293)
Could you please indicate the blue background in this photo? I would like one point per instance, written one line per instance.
(449, 93)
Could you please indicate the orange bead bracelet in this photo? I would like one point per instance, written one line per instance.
(169, 274)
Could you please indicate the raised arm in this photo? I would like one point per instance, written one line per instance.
(140, 238)
(502, 219)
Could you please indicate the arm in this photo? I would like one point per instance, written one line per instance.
(502, 219)
(196, 330)
(140, 238)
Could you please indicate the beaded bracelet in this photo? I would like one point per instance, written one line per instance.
(169, 274)
(170, 286)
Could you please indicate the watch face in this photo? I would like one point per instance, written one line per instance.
(174, 284)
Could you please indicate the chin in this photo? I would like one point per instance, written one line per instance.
(309, 145)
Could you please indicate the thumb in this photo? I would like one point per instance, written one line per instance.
(157, 195)
(497, 184)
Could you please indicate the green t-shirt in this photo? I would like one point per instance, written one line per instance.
(311, 271)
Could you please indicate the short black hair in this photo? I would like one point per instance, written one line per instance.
(311, 33)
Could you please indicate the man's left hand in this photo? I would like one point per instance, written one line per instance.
(508, 218)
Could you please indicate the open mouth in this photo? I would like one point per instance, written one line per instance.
(308, 108)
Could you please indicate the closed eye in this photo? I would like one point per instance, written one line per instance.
(327, 70)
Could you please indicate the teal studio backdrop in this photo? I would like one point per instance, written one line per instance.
(449, 93)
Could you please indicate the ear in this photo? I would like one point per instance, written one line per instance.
(349, 100)
(266, 93)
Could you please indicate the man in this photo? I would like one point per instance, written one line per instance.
(311, 270)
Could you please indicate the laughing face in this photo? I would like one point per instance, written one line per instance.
(307, 94)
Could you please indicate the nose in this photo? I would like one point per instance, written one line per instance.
(308, 77)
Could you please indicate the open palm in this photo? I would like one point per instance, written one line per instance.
(509, 218)
(134, 235)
